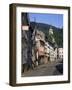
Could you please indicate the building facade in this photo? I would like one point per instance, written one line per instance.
(60, 53)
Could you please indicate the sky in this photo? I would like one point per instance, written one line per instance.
(52, 19)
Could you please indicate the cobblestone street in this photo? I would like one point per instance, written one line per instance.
(44, 70)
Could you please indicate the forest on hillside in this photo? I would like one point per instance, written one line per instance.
(58, 32)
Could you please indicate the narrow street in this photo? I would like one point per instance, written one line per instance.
(44, 70)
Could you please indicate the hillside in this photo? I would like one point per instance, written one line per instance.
(58, 33)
